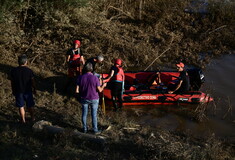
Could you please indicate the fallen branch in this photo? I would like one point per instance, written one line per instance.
(109, 127)
(171, 41)
(124, 13)
(163, 138)
(217, 29)
(34, 58)
(156, 58)
(29, 46)
(131, 128)
(45, 126)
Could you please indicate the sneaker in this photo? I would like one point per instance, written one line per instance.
(97, 132)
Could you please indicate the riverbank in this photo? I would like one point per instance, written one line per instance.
(137, 33)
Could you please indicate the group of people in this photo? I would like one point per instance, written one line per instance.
(88, 84)
(178, 86)
(76, 61)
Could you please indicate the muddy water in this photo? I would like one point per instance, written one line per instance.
(220, 115)
(220, 81)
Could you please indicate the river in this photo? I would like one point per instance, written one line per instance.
(220, 114)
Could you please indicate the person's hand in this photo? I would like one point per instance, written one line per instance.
(170, 92)
(104, 84)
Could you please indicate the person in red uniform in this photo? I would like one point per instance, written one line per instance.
(75, 59)
(117, 83)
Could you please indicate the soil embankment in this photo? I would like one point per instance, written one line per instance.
(137, 32)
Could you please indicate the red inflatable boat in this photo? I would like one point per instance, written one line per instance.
(138, 92)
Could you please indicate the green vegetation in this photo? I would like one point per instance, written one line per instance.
(137, 32)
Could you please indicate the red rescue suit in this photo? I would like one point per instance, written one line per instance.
(74, 63)
(119, 75)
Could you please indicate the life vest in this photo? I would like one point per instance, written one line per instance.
(119, 76)
(74, 56)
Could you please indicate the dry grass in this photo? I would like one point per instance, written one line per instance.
(128, 29)
(45, 30)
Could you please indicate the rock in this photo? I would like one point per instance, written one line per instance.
(39, 126)
(45, 126)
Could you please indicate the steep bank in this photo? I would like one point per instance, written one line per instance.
(44, 31)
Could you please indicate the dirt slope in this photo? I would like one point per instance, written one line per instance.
(137, 32)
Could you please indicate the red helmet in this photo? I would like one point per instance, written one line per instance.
(118, 61)
(77, 42)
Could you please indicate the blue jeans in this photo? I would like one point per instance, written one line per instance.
(94, 107)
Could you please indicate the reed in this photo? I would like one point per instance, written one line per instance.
(230, 108)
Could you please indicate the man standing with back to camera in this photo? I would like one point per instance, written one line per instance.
(23, 84)
(88, 86)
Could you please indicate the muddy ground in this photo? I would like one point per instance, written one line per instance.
(133, 31)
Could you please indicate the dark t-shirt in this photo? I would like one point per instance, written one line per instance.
(116, 85)
(70, 52)
(185, 84)
(21, 78)
(115, 70)
(93, 62)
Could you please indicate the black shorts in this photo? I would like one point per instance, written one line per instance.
(23, 98)
(116, 88)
